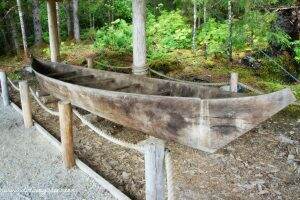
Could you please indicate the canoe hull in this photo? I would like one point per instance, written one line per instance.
(207, 124)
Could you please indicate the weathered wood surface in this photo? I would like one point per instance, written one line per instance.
(26, 104)
(154, 168)
(234, 82)
(4, 88)
(66, 131)
(89, 61)
(197, 116)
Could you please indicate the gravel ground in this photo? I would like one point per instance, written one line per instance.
(31, 168)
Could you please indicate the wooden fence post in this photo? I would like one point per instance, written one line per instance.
(234, 82)
(66, 131)
(89, 62)
(4, 88)
(154, 168)
(26, 104)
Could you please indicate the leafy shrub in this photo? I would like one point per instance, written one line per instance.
(168, 32)
(296, 45)
(215, 35)
(88, 34)
(116, 37)
(279, 38)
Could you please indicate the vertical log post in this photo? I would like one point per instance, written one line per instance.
(66, 131)
(4, 88)
(89, 62)
(139, 37)
(53, 30)
(154, 168)
(234, 82)
(26, 104)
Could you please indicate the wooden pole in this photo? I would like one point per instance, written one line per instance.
(26, 104)
(154, 168)
(89, 62)
(66, 131)
(53, 30)
(139, 37)
(25, 45)
(4, 88)
(234, 82)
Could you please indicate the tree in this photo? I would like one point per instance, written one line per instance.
(204, 22)
(58, 20)
(70, 22)
(195, 25)
(14, 33)
(37, 23)
(76, 20)
(25, 46)
(229, 30)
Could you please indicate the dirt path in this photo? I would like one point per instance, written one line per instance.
(31, 168)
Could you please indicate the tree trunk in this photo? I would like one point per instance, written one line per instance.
(139, 37)
(58, 21)
(53, 31)
(6, 44)
(14, 35)
(37, 23)
(229, 30)
(76, 20)
(93, 17)
(195, 26)
(25, 46)
(298, 20)
(204, 22)
(70, 22)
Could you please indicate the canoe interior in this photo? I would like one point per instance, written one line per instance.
(119, 82)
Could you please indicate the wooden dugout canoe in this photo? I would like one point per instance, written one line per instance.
(201, 117)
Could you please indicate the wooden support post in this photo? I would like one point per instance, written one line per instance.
(26, 104)
(66, 131)
(154, 168)
(139, 37)
(234, 82)
(89, 62)
(53, 30)
(4, 89)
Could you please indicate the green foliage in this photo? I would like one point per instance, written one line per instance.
(116, 37)
(166, 33)
(296, 46)
(88, 34)
(215, 35)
